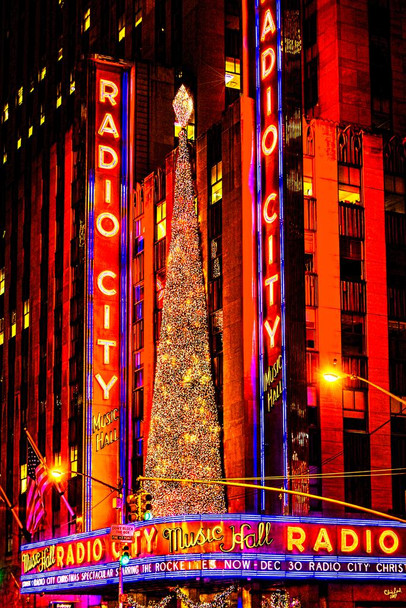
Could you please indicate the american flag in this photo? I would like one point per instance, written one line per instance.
(37, 483)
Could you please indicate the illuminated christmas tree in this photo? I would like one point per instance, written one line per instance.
(184, 438)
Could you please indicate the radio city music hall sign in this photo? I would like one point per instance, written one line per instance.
(245, 545)
(269, 203)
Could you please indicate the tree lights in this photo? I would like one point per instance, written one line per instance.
(184, 439)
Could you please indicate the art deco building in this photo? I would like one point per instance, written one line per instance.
(296, 144)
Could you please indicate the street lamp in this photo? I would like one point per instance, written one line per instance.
(57, 475)
(331, 377)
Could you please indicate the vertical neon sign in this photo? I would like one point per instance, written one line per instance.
(270, 222)
(106, 317)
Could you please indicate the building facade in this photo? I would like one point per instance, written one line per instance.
(296, 143)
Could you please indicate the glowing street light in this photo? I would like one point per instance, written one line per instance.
(331, 377)
(57, 474)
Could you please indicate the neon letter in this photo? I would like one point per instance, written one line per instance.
(368, 541)
(269, 218)
(272, 330)
(270, 245)
(323, 541)
(106, 344)
(393, 536)
(267, 150)
(107, 197)
(270, 282)
(267, 69)
(106, 387)
(346, 547)
(103, 164)
(110, 95)
(108, 126)
(106, 324)
(296, 538)
(110, 216)
(268, 101)
(100, 279)
(269, 25)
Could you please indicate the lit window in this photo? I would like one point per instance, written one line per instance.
(86, 20)
(23, 478)
(20, 96)
(160, 221)
(5, 112)
(26, 315)
(2, 280)
(138, 18)
(60, 54)
(13, 324)
(41, 116)
(121, 28)
(1, 331)
(4, 157)
(349, 187)
(73, 460)
(57, 458)
(42, 73)
(58, 95)
(307, 177)
(18, 143)
(232, 77)
(216, 182)
(71, 83)
(190, 130)
(30, 130)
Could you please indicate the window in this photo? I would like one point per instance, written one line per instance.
(216, 183)
(2, 280)
(71, 83)
(30, 131)
(5, 112)
(352, 334)
(60, 54)
(232, 75)
(73, 457)
(20, 96)
(58, 95)
(160, 229)
(42, 73)
(23, 478)
(57, 460)
(1, 331)
(13, 324)
(26, 314)
(190, 130)
(121, 28)
(86, 20)
(349, 187)
(307, 176)
(41, 115)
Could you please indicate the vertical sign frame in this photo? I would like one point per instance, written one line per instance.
(271, 293)
(106, 339)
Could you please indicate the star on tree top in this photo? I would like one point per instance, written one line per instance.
(183, 106)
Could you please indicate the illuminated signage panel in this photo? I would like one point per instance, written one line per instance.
(105, 340)
(212, 546)
(269, 203)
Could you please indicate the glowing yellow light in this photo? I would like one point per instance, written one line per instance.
(59, 101)
(30, 130)
(107, 216)
(43, 73)
(18, 143)
(330, 377)
(106, 386)
(103, 163)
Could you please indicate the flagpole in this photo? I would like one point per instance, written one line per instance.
(42, 460)
(8, 503)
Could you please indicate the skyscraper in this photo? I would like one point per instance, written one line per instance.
(296, 143)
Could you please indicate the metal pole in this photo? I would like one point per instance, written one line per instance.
(120, 585)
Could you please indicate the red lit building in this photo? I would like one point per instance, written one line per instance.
(297, 154)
